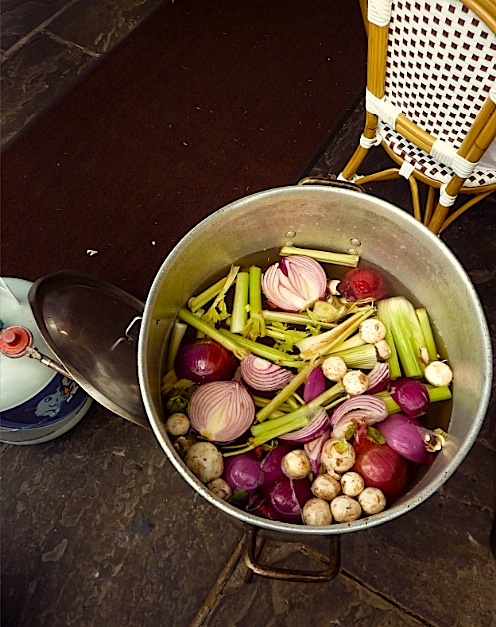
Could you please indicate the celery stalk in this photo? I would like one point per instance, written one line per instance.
(257, 348)
(407, 335)
(384, 315)
(239, 316)
(352, 342)
(361, 357)
(425, 325)
(338, 259)
(256, 324)
(228, 341)
(322, 344)
(283, 395)
(177, 334)
(276, 427)
(217, 291)
(295, 318)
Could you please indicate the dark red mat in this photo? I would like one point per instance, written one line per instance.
(203, 104)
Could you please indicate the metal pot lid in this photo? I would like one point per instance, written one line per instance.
(92, 328)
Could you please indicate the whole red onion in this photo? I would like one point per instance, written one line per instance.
(362, 283)
(403, 435)
(380, 467)
(204, 360)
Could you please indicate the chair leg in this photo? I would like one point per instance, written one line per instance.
(435, 224)
(391, 174)
(429, 205)
(415, 198)
(354, 163)
(470, 203)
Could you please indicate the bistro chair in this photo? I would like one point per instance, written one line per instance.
(430, 101)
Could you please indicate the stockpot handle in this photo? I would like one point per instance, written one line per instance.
(331, 182)
(287, 574)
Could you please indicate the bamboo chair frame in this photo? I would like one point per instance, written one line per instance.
(479, 137)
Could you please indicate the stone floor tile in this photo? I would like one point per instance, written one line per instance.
(99, 517)
(97, 25)
(34, 77)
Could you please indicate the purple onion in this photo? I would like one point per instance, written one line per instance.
(271, 466)
(243, 473)
(365, 409)
(318, 424)
(314, 385)
(221, 411)
(411, 396)
(314, 450)
(404, 435)
(263, 375)
(294, 283)
(378, 378)
(287, 497)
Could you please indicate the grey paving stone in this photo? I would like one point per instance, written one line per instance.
(99, 523)
(97, 25)
(341, 602)
(36, 76)
(20, 17)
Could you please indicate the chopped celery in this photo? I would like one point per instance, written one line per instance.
(276, 427)
(283, 395)
(239, 316)
(218, 309)
(339, 259)
(324, 343)
(261, 350)
(285, 339)
(227, 341)
(352, 342)
(425, 325)
(398, 315)
(177, 334)
(361, 357)
(384, 315)
(306, 319)
(256, 324)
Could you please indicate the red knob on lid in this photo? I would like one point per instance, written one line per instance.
(14, 341)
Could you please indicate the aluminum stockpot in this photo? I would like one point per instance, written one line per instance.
(314, 216)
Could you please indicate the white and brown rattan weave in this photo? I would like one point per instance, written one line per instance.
(431, 100)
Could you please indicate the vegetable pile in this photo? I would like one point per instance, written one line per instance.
(304, 397)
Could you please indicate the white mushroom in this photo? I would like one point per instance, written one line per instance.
(383, 349)
(438, 373)
(205, 461)
(177, 424)
(334, 368)
(337, 455)
(352, 483)
(355, 382)
(332, 285)
(325, 487)
(316, 512)
(220, 488)
(372, 330)
(296, 464)
(372, 500)
(345, 509)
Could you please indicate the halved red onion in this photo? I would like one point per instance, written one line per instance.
(314, 450)
(405, 436)
(318, 424)
(294, 283)
(261, 374)
(314, 385)
(411, 395)
(363, 409)
(378, 378)
(221, 411)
